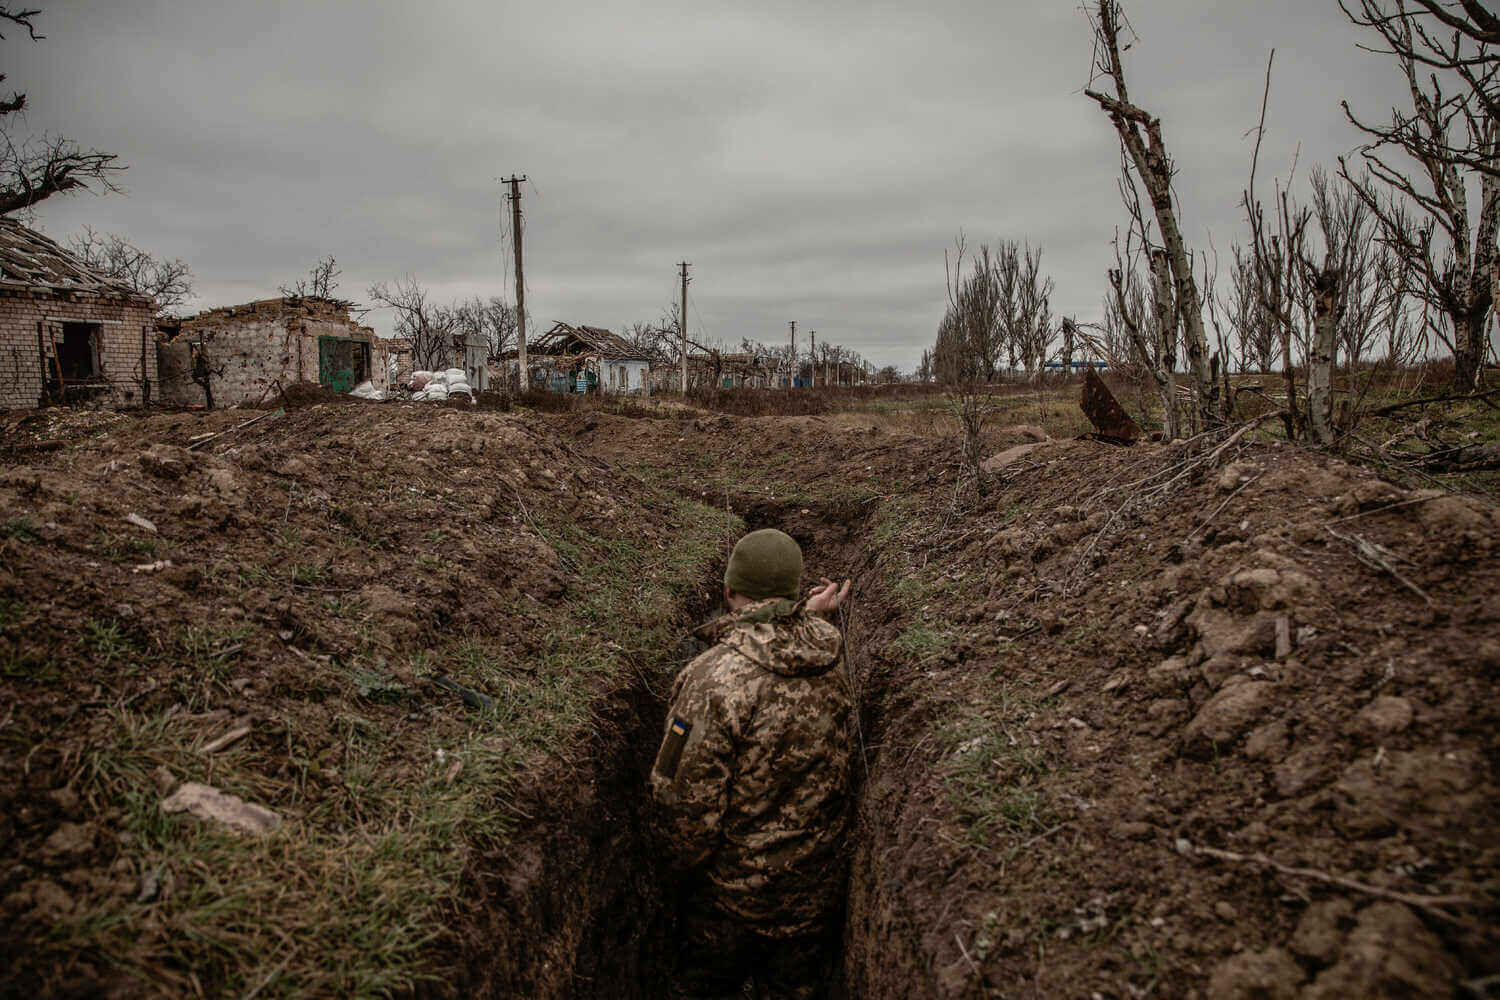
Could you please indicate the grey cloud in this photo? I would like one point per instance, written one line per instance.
(812, 160)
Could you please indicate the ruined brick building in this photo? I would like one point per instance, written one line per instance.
(68, 333)
(245, 352)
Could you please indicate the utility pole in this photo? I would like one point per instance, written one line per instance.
(682, 323)
(515, 229)
(812, 355)
(792, 384)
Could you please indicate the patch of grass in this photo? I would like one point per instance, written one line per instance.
(121, 548)
(212, 651)
(378, 686)
(993, 774)
(22, 664)
(108, 640)
(255, 575)
(22, 529)
(921, 643)
(309, 575)
(352, 894)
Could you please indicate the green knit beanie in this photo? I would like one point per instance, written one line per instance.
(765, 563)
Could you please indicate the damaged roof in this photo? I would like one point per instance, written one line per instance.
(566, 339)
(30, 260)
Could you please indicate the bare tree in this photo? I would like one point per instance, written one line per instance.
(1153, 331)
(321, 282)
(1450, 143)
(1277, 255)
(1457, 42)
(1255, 333)
(169, 282)
(429, 327)
(1141, 135)
(658, 340)
(491, 322)
(1032, 332)
(959, 355)
(37, 167)
(924, 367)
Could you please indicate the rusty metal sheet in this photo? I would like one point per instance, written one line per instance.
(1105, 413)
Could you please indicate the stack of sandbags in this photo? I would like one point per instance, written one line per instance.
(367, 390)
(458, 384)
(439, 386)
(429, 386)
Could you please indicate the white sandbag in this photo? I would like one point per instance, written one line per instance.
(438, 378)
(456, 375)
(367, 390)
(437, 392)
(459, 387)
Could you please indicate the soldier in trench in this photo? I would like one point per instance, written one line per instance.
(752, 783)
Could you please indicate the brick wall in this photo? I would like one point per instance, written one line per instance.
(121, 322)
(257, 346)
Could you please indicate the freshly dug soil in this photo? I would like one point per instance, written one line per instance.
(1092, 770)
(1214, 719)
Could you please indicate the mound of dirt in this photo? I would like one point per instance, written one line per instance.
(217, 663)
(301, 394)
(1132, 660)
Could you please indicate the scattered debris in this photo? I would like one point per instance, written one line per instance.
(140, 522)
(208, 803)
(200, 442)
(470, 697)
(1105, 413)
(233, 736)
(150, 885)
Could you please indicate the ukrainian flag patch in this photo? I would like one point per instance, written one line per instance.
(671, 749)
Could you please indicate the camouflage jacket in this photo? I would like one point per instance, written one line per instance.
(753, 776)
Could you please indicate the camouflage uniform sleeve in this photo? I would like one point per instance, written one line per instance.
(695, 765)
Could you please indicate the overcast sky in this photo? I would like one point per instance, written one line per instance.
(812, 160)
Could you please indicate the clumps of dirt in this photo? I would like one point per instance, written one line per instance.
(1130, 655)
(263, 615)
(302, 394)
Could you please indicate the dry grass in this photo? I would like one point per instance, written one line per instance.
(357, 890)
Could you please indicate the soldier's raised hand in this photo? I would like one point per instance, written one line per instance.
(827, 596)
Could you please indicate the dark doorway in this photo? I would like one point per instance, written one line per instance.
(78, 351)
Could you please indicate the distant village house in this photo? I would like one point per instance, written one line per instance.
(68, 333)
(585, 359)
(238, 355)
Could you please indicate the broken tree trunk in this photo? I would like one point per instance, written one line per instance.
(1165, 383)
(1327, 305)
(1165, 306)
(1148, 152)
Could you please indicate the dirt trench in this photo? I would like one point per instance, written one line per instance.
(584, 907)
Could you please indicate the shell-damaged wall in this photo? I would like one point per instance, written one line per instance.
(31, 325)
(252, 348)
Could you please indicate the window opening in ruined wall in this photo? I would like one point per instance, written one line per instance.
(78, 351)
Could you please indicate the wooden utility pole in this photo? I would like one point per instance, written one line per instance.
(682, 323)
(523, 373)
(812, 355)
(792, 384)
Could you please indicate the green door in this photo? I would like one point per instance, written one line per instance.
(336, 363)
